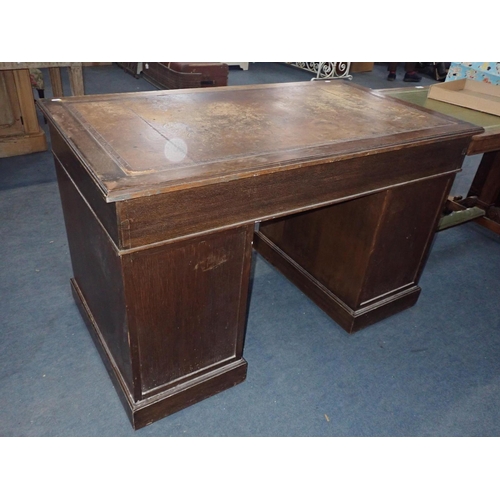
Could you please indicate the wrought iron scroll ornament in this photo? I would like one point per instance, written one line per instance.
(326, 70)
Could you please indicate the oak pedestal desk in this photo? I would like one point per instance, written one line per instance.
(161, 192)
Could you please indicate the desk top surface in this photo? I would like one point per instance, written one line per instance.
(139, 144)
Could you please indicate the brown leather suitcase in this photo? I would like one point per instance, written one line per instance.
(182, 75)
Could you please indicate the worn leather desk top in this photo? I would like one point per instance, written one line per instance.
(139, 144)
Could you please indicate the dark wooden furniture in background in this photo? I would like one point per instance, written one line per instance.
(180, 75)
(484, 192)
(185, 75)
(161, 192)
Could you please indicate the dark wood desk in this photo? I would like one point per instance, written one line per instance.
(161, 192)
(484, 192)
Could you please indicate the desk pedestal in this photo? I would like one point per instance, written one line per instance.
(360, 261)
(168, 319)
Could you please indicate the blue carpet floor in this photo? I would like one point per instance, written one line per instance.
(433, 370)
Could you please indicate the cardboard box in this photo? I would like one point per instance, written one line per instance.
(468, 93)
(359, 67)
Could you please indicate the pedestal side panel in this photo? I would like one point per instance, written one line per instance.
(407, 227)
(187, 304)
(333, 244)
(67, 157)
(97, 272)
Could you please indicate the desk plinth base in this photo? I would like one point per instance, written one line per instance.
(349, 319)
(165, 403)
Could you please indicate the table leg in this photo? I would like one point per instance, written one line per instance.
(26, 101)
(486, 183)
(359, 260)
(76, 80)
(56, 82)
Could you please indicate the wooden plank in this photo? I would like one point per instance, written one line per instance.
(31, 65)
(489, 224)
(26, 101)
(6, 112)
(22, 144)
(16, 128)
(76, 80)
(56, 82)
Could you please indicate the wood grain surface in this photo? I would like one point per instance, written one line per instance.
(156, 142)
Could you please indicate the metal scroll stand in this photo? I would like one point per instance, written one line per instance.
(333, 71)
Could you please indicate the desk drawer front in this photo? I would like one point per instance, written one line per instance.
(181, 213)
